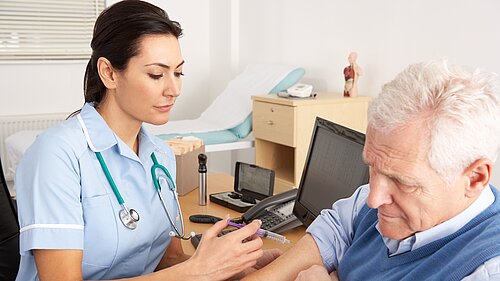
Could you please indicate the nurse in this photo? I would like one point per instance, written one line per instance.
(87, 201)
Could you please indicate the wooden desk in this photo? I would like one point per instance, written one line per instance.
(220, 183)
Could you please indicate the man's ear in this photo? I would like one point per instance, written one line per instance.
(478, 174)
(106, 73)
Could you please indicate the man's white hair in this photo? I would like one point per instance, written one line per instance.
(461, 108)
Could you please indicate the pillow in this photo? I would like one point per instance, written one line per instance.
(243, 129)
(291, 79)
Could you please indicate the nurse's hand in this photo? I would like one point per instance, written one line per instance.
(218, 258)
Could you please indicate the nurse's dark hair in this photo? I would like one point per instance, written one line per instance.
(117, 34)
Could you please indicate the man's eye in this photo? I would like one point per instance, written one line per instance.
(406, 187)
(156, 76)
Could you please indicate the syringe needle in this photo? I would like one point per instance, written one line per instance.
(264, 233)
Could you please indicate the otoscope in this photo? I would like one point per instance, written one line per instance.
(202, 179)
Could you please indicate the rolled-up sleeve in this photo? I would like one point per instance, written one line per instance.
(333, 229)
(48, 196)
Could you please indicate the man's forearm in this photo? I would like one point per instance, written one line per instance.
(301, 256)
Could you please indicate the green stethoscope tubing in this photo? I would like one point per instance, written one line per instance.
(155, 166)
(156, 181)
(110, 178)
(132, 220)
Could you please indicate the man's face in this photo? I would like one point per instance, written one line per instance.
(408, 193)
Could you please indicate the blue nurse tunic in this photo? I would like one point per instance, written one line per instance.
(65, 201)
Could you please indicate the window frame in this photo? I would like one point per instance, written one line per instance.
(47, 30)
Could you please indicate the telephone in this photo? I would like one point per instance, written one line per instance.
(275, 212)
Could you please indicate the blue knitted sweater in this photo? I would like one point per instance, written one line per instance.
(450, 258)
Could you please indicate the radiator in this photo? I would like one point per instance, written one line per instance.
(15, 123)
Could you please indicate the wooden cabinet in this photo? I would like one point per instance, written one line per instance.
(283, 127)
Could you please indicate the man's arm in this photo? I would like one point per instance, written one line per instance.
(317, 273)
(301, 256)
(332, 229)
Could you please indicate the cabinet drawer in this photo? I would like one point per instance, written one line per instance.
(274, 122)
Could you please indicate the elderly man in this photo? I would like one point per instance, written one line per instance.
(428, 212)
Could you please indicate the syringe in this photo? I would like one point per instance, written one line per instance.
(264, 233)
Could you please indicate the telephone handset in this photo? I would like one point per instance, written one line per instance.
(275, 212)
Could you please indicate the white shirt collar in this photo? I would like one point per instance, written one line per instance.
(443, 229)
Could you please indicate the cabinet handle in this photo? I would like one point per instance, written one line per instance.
(272, 109)
(270, 122)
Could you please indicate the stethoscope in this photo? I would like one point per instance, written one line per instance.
(130, 217)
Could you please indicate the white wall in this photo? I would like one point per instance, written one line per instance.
(41, 87)
(388, 35)
(222, 36)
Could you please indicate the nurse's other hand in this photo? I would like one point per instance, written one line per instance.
(316, 273)
(218, 258)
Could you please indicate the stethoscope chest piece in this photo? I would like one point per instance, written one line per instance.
(129, 219)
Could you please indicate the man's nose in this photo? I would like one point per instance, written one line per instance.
(379, 192)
